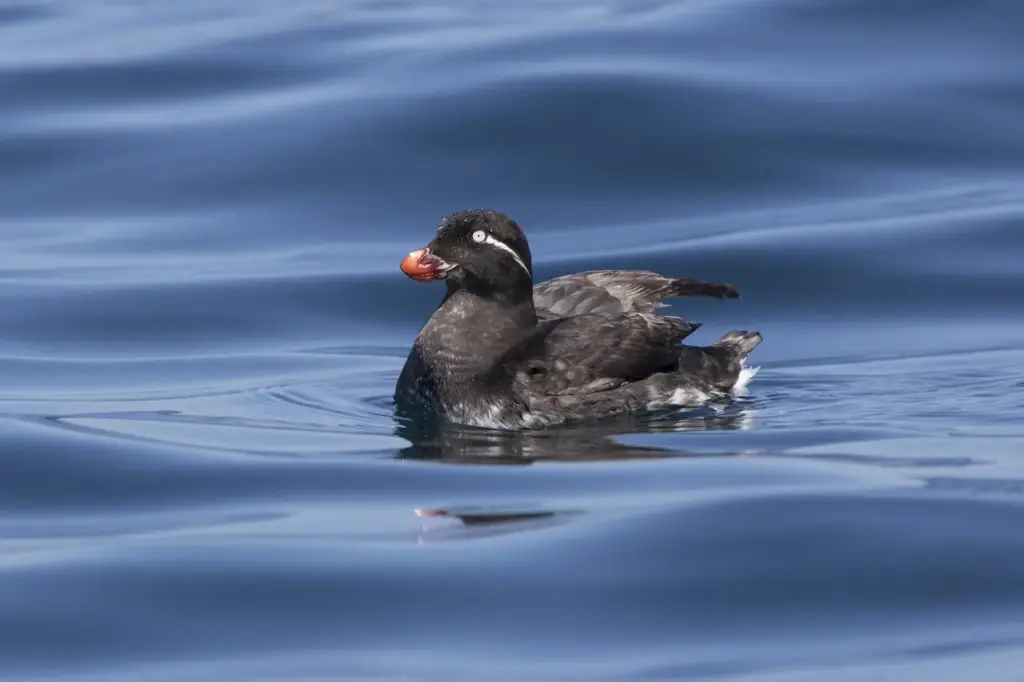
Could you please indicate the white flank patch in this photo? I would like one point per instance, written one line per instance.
(488, 417)
(502, 245)
(746, 374)
(686, 397)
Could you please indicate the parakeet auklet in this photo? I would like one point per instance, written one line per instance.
(502, 353)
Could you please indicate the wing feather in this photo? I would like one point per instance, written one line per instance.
(618, 291)
(597, 352)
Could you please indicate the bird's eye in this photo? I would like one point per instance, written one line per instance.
(479, 236)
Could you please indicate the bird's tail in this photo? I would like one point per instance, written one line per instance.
(739, 344)
(682, 286)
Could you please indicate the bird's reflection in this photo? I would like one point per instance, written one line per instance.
(488, 522)
(592, 442)
(476, 517)
(449, 443)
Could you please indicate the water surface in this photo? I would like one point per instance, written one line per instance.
(203, 206)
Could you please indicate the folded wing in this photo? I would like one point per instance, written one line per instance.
(597, 352)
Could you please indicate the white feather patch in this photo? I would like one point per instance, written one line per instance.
(684, 397)
(502, 245)
(746, 374)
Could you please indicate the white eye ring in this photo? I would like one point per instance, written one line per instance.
(479, 236)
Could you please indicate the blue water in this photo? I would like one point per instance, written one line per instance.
(203, 205)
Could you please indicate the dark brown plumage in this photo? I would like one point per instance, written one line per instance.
(501, 352)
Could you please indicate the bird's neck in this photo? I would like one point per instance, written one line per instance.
(469, 333)
(514, 293)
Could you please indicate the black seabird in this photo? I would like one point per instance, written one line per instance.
(502, 353)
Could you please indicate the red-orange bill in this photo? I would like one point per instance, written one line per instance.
(423, 266)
